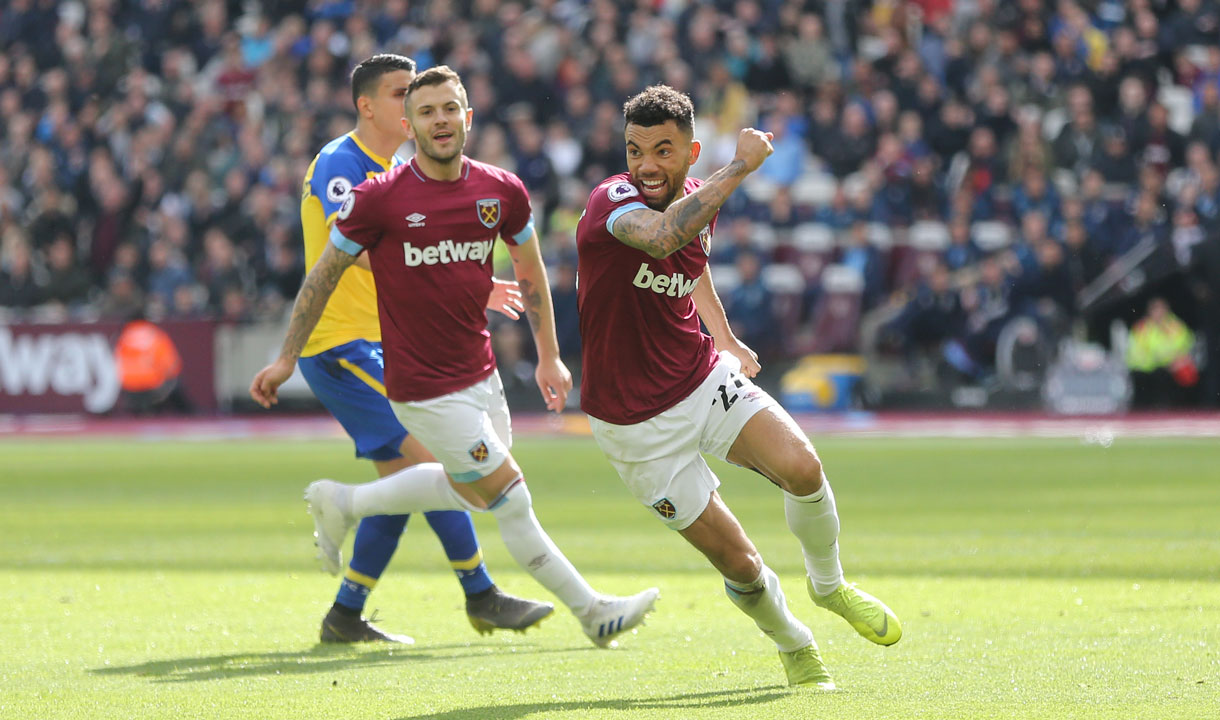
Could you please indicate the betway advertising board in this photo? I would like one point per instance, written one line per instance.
(70, 367)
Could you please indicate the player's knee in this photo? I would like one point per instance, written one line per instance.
(742, 566)
(803, 474)
(514, 500)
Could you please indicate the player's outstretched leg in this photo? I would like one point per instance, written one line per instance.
(329, 503)
(773, 444)
(336, 507)
(603, 617)
(763, 600)
(814, 519)
(425, 486)
(756, 591)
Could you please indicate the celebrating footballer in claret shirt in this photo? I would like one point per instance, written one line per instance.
(428, 227)
(659, 394)
(342, 363)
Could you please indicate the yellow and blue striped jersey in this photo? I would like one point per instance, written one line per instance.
(351, 312)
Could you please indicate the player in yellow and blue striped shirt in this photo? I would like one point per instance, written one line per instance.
(342, 363)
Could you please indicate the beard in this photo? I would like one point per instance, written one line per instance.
(673, 183)
(428, 147)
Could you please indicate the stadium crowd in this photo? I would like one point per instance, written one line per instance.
(940, 167)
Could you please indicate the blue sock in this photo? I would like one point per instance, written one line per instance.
(376, 539)
(456, 533)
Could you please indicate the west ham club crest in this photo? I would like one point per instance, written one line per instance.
(489, 211)
(705, 239)
(665, 508)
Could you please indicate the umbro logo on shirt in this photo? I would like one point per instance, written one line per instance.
(415, 220)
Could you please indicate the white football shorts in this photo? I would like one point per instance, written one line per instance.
(659, 459)
(469, 431)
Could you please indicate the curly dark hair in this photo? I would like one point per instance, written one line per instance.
(658, 104)
(366, 75)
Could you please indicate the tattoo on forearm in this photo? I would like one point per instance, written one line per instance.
(532, 299)
(682, 221)
(311, 301)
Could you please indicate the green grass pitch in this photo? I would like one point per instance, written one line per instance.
(1034, 579)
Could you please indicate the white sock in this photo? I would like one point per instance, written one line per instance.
(533, 550)
(419, 488)
(763, 600)
(814, 520)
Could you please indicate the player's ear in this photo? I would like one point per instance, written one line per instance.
(695, 148)
(364, 104)
(469, 118)
(410, 130)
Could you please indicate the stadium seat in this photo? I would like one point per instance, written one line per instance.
(812, 249)
(763, 238)
(725, 277)
(787, 286)
(910, 261)
(759, 189)
(836, 320)
(991, 235)
(881, 236)
(929, 234)
(815, 189)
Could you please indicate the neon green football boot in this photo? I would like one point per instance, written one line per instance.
(868, 615)
(805, 667)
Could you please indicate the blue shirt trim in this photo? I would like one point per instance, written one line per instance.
(526, 232)
(467, 477)
(621, 211)
(341, 241)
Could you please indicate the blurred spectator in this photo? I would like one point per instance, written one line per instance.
(1115, 161)
(1077, 141)
(19, 288)
(221, 272)
(68, 283)
(122, 299)
(1084, 261)
(849, 146)
(807, 54)
(929, 319)
(168, 271)
(962, 252)
(987, 309)
(861, 255)
(567, 319)
(1158, 145)
(749, 306)
(1035, 195)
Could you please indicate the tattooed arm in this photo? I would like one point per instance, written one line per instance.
(554, 380)
(310, 302)
(661, 234)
